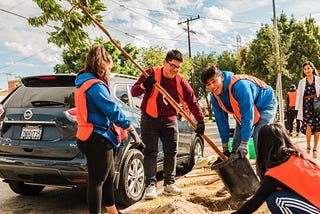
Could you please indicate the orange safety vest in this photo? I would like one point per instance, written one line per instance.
(152, 108)
(85, 129)
(300, 175)
(234, 103)
(292, 98)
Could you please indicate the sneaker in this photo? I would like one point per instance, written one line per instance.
(315, 154)
(171, 189)
(151, 192)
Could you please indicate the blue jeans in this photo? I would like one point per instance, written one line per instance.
(286, 201)
(267, 115)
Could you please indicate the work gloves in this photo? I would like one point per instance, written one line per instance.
(137, 142)
(200, 128)
(226, 153)
(148, 82)
(242, 150)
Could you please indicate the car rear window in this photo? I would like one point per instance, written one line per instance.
(31, 97)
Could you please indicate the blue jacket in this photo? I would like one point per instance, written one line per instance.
(101, 107)
(247, 93)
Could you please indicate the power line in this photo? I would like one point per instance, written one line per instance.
(189, 31)
(25, 58)
(12, 13)
(18, 15)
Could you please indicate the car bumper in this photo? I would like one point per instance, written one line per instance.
(58, 173)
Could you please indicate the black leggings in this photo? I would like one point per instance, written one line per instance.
(99, 153)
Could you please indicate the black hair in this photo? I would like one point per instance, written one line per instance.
(174, 55)
(274, 147)
(209, 72)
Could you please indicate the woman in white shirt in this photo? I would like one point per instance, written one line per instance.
(308, 89)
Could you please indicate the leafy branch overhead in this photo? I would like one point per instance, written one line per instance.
(69, 23)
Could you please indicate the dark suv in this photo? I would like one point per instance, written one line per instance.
(38, 145)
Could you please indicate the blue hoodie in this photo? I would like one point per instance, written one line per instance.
(101, 108)
(248, 94)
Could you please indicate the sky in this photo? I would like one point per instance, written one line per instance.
(214, 26)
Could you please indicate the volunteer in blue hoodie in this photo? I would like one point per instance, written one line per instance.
(250, 100)
(96, 110)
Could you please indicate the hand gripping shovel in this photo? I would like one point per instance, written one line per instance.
(161, 90)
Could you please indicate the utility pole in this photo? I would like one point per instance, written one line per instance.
(189, 42)
(278, 65)
(238, 42)
(189, 31)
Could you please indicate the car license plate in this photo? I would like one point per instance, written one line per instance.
(31, 132)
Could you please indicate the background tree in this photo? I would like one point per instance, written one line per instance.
(200, 62)
(299, 41)
(71, 32)
(74, 59)
(227, 61)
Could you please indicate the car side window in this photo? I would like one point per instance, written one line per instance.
(121, 93)
(136, 101)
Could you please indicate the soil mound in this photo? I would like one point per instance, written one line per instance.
(180, 206)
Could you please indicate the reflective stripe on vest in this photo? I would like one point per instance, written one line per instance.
(292, 98)
(152, 108)
(84, 128)
(234, 103)
(300, 175)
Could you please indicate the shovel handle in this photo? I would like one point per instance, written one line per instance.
(160, 88)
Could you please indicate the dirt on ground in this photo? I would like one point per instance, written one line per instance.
(201, 194)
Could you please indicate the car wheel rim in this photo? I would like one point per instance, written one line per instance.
(197, 152)
(136, 177)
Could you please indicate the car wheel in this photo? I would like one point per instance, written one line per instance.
(196, 154)
(131, 184)
(21, 188)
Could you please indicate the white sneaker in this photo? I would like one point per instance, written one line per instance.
(151, 192)
(171, 189)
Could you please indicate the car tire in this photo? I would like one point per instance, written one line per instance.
(131, 183)
(21, 188)
(195, 154)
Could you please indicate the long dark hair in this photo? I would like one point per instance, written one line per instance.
(95, 60)
(314, 70)
(274, 147)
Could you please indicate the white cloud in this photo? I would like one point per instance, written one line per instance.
(146, 23)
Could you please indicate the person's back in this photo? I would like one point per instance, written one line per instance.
(290, 179)
(291, 112)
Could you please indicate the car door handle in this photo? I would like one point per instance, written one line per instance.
(28, 150)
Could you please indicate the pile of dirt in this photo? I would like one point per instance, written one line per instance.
(200, 188)
(180, 206)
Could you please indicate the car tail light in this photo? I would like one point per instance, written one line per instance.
(48, 78)
(78, 180)
(71, 114)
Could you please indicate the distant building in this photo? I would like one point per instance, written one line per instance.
(12, 84)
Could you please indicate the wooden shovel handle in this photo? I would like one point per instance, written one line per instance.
(161, 90)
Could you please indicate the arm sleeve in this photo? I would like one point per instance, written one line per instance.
(136, 90)
(222, 121)
(106, 106)
(267, 187)
(243, 92)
